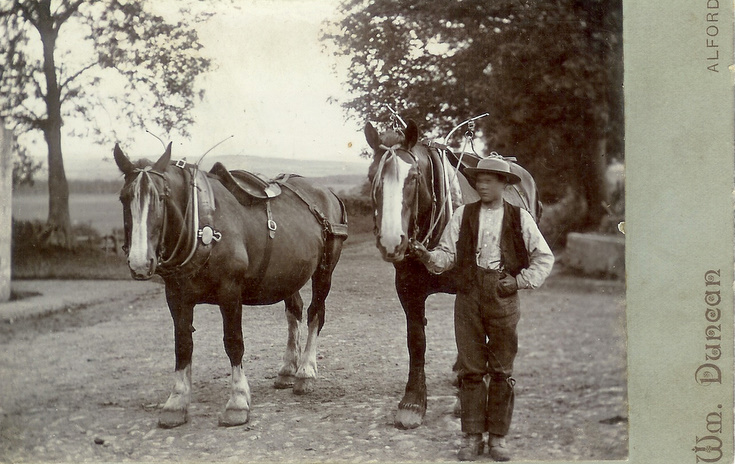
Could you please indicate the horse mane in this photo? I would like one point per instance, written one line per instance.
(454, 188)
(388, 138)
(445, 174)
(128, 187)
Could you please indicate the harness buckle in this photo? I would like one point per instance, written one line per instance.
(181, 163)
(208, 235)
(272, 226)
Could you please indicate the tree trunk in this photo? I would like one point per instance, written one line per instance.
(593, 176)
(59, 222)
(6, 209)
(597, 212)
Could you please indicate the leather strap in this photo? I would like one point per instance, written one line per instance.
(272, 226)
(268, 251)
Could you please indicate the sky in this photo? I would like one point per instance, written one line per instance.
(269, 90)
(273, 82)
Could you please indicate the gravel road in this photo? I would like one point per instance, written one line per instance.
(86, 384)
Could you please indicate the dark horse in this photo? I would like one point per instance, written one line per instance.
(213, 242)
(415, 189)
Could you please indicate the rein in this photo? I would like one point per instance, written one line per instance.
(190, 214)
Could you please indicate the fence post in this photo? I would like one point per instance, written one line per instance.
(6, 209)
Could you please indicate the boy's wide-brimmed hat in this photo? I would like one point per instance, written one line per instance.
(493, 166)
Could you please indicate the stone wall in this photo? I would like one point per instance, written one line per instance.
(596, 255)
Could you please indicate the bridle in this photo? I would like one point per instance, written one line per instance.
(390, 154)
(174, 262)
(145, 173)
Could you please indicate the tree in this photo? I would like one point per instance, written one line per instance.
(24, 168)
(549, 72)
(65, 63)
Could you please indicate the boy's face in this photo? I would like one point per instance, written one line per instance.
(490, 187)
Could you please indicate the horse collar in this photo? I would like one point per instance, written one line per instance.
(199, 208)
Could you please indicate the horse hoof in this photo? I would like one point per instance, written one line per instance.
(303, 386)
(408, 419)
(234, 417)
(171, 419)
(284, 381)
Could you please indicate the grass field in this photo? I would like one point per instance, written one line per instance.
(103, 211)
(100, 211)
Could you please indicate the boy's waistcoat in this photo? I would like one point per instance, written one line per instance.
(513, 254)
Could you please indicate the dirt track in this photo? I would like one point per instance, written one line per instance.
(86, 385)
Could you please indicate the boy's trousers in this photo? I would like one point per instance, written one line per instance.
(487, 343)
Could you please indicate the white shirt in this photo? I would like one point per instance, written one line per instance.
(541, 259)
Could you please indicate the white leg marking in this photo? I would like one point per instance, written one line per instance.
(240, 395)
(180, 397)
(237, 410)
(308, 369)
(290, 360)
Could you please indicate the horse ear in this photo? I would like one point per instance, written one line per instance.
(372, 136)
(122, 161)
(412, 133)
(163, 161)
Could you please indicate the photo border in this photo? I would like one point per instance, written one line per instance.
(679, 229)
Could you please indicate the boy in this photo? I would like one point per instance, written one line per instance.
(497, 249)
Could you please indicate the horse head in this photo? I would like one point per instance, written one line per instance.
(397, 190)
(143, 198)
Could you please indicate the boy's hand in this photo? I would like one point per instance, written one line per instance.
(418, 250)
(507, 286)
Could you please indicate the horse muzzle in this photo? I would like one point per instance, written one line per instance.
(394, 254)
(143, 272)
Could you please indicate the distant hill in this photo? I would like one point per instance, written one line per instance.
(99, 176)
(348, 183)
(105, 168)
(305, 167)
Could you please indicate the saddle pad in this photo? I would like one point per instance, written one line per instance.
(245, 186)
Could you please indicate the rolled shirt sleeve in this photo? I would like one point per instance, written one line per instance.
(541, 259)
